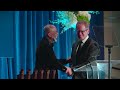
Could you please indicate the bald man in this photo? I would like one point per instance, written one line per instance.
(45, 56)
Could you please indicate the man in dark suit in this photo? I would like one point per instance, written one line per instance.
(85, 50)
(45, 56)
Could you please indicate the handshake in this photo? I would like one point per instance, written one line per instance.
(69, 71)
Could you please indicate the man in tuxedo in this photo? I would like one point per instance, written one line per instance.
(85, 50)
(45, 56)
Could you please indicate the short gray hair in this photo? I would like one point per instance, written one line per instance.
(84, 23)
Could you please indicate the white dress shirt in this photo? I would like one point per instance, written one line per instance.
(83, 42)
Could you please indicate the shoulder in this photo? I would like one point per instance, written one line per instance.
(76, 42)
(93, 42)
(44, 42)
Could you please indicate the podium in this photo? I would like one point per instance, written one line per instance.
(90, 69)
(111, 41)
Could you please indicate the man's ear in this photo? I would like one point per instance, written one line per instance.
(88, 31)
(49, 34)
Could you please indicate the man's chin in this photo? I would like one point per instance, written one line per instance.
(80, 38)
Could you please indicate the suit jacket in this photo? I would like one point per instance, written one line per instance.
(88, 53)
(45, 57)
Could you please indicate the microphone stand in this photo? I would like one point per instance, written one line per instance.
(109, 53)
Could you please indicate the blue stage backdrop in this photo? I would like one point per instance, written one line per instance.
(6, 34)
(20, 33)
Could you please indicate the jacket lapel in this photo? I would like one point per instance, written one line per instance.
(83, 49)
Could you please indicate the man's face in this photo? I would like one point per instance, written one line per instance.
(53, 33)
(82, 31)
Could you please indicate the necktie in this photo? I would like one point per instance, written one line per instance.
(78, 53)
(79, 46)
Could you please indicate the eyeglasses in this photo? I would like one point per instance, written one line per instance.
(82, 31)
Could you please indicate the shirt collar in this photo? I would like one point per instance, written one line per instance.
(85, 39)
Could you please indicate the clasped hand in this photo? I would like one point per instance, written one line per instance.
(69, 71)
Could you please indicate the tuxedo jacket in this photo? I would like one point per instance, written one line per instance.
(88, 53)
(45, 57)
